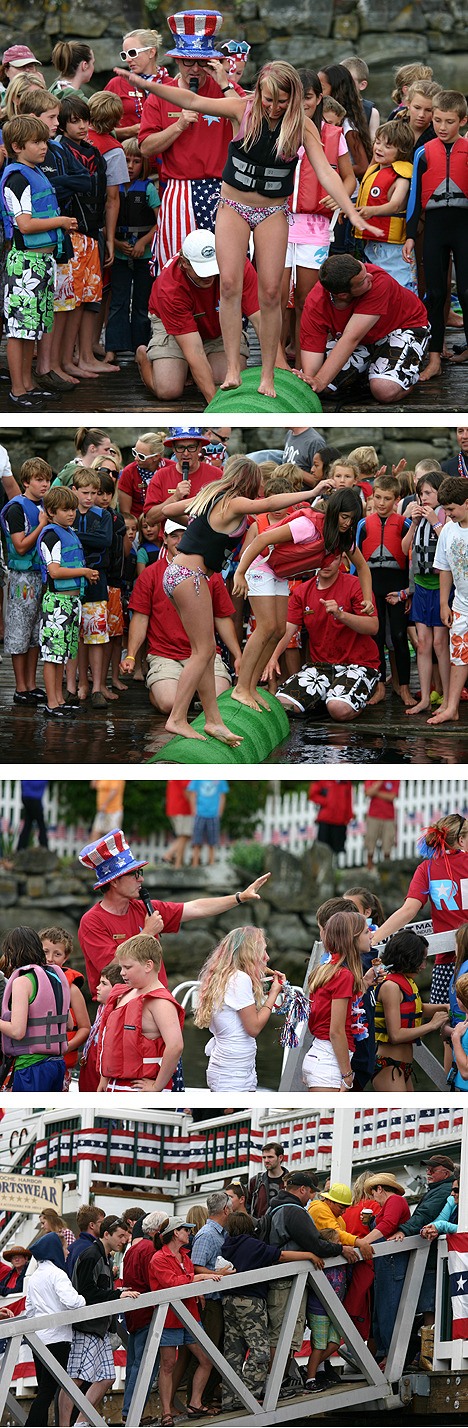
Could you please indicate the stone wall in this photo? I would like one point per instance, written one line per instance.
(41, 890)
(386, 33)
(55, 444)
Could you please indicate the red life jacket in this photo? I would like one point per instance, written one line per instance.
(307, 189)
(72, 976)
(445, 181)
(381, 545)
(46, 1031)
(410, 1007)
(289, 559)
(103, 142)
(124, 1052)
(374, 190)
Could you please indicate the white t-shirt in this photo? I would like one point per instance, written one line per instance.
(226, 1025)
(452, 554)
(50, 1291)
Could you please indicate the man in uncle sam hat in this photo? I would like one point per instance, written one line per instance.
(193, 147)
(121, 912)
(184, 474)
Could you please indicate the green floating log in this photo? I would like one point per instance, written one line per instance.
(261, 734)
(292, 395)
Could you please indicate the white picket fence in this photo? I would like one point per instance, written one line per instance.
(287, 821)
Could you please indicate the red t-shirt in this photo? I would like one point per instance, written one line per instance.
(182, 307)
(335, 801)
(341, 986)
(380, 807)
(166, 1272)
(166, 479)
(395, 307)
(176, 802)
(132, 98)
(100, 933)
(201, 150)
(134, 485)
(329, 641)
(166, 635)
(444, 881)
(390, 1216)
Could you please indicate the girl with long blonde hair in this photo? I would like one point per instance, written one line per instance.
(217, 519)
(333, 986)
(232, 1004)
(269, 126)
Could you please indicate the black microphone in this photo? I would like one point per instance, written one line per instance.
(194, 84)
(145, 897)
(186, 471)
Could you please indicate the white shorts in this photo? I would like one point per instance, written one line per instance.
(263, 581)
(459, 639)
(320, 1066)
(306, 255)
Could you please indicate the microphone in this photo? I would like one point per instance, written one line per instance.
(194, 84)
(145, 897)
(186, 471)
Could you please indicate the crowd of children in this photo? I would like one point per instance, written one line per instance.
(109, 571)
(364, 1011)
(96, 191)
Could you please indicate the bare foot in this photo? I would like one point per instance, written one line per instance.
(108, 693)
(433, 369)
(418, 708)
(379, 695)
(232, 379)
(117, 684)
(138, 677)
(83, 692)
(263, 702)
(66, 376)
(184, 729)
(443, 716)
(462, 357)
(99, 369)
(267, 387)
(78, 370)
(225, 735)
(247, 699)
(406, 697)
(454, 319)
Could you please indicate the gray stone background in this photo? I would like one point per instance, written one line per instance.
(386, 33)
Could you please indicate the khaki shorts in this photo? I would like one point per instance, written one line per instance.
(379, 830)
(277, 1299)
(162, 344)
(160, 668)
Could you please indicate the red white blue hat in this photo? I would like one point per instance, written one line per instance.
(110, 858)
(184, 433)
(194, 34)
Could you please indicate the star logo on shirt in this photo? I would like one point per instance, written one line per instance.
(211, 118)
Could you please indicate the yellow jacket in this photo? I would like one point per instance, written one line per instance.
(324, 1219)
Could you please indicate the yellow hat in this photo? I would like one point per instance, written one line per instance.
(341, 1194)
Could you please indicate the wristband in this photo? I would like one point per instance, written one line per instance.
(238, 898)
(131, 657)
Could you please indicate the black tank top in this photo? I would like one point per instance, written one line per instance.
(199, 538)
(259, 167)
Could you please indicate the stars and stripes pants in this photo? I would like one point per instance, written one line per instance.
(186, 204)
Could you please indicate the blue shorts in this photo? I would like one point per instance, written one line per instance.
(171, 1338)
(206, 830)
(425, 606)
(47, 1075)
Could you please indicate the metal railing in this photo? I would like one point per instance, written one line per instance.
(374, 1386)
(291, 1074)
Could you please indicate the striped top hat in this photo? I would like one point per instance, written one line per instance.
(110, 857)
(194, 33)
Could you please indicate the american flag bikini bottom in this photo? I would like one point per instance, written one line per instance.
(186, 204)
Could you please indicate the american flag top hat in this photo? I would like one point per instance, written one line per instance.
(194, 34)
(181, 433)
(110, 858)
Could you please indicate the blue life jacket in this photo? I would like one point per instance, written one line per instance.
(31, 559)
(44, 204)
(72, 555)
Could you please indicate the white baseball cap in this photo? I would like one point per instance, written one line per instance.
(171, 526)
(199, 248)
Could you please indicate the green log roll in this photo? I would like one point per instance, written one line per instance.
(261, 734)
(292, 395)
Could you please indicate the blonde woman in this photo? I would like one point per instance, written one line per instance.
(269, 126)
(140, 51)
(231, 1003)
(333, 986)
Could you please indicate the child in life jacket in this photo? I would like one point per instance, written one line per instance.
(58, 947)
(149, 544)
(64, 573)
(312, 207)
(22, 520)
(322, 537)
(35, 1014)
(439, 187)
(427, 521)
(401, 1017)
(140, 1037)
(383, 193)
(131, 276)
(79, 283)
(88, 1079)
(379, 537)
(106, 111)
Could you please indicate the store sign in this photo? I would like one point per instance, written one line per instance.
(31, 1194)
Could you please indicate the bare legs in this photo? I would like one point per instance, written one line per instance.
(270, 240)
(270, 613)
(196, 613)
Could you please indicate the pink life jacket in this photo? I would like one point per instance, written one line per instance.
(46, 1031)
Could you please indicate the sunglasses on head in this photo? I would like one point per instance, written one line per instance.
(215, 448)
(132, 54)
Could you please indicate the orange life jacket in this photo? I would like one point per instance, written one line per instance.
(124, 1052)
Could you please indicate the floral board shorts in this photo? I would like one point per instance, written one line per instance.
(22, 611)
(60, 627)
(115, 619)
(94, 626)
(80, 280)
(397, 358)
(459, 639)
(319, 683)
(29, 294)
